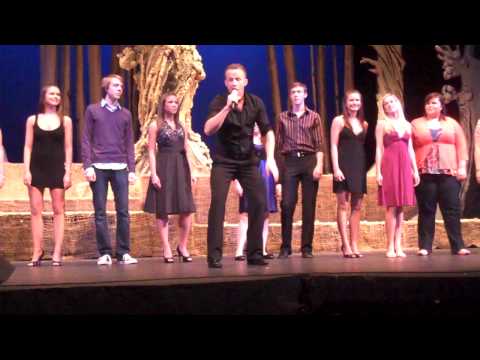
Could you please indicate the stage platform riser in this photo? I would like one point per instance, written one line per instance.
(15, 234)
(79, 241)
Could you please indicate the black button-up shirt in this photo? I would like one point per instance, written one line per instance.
(234, 140)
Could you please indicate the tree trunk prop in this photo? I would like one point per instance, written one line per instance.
(158, 69)
(465, 66)
(389, 71)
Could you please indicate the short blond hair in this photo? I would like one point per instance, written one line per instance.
(108, 79)
(235, 67)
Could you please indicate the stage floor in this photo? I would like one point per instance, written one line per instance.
(434, 287)
(153, 271)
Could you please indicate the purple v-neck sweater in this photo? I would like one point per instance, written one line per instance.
(107, 137)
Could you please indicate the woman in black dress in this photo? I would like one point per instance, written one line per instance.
(170, 188)
(348, 134)
(47, 159)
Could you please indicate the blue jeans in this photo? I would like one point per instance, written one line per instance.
(119, 182)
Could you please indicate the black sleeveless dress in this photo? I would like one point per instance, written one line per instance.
(47, 163)
(175, 195)
(352, 162)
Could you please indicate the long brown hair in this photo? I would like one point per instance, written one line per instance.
(436, 95)
(360, 113)
(41, 102)
(161, 111)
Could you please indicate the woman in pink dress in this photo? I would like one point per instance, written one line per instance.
(397, 172)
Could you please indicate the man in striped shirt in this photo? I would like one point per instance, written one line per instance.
(299, 142)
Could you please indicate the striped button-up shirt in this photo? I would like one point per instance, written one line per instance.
(299, 133)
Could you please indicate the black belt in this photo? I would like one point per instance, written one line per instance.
(298, 154)
(170, 151)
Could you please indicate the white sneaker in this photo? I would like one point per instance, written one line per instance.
(104, 260)
(127, 259)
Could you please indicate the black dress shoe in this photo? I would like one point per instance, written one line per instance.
(269, 256)
(240, 258)
(283, 254)
(307, 254)
(215, 264)
(259, 262)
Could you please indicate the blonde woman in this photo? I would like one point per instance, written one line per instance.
(396, 168)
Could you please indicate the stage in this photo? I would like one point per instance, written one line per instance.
(437, 286)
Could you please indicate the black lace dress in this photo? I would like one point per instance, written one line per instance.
(175, 195)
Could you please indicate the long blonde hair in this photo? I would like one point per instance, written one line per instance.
(388, 121)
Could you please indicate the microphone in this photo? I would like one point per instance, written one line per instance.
(234, 102)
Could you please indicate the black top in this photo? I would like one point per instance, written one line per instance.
(47, 163)
(234, 140)
(352, 162)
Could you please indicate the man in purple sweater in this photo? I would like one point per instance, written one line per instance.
(108, 156)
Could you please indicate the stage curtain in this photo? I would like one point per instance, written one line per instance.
(349, 68)
(289, 57)
(66, 66)
(48, 65)
(80, 98)
(273, 72)
(322, 103)
(313, 91)
(94, 73)
(336, 89)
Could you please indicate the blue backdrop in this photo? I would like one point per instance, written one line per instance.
(20, 83)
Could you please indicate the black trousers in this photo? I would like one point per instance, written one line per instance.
(299, 170)
(444, 190)
(254, 189)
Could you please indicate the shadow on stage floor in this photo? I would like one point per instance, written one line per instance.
(437, 286)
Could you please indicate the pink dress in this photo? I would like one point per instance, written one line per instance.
(397, 188)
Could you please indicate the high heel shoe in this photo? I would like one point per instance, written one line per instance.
(168, 260)
(183, 257)
(37, 262)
